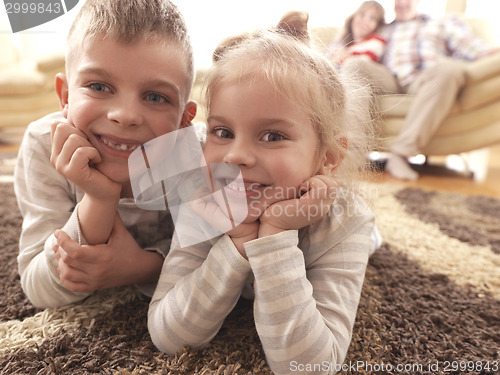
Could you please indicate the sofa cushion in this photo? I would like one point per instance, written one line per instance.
(18, 80)
(461, 122)
(8, 54)
(51, 62)
(472, 97)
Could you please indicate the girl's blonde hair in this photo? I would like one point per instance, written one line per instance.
(347, 36)
(130, 21)
(338, 107)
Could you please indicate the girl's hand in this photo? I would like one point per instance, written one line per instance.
(208, 209)
(338, 56)
(73, 156)
(318, 194)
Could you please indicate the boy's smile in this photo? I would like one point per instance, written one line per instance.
(123, 95)
(269, 138)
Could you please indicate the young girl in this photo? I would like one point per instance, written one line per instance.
(279, 111)
(359, 37)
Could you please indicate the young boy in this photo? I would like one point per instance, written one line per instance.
(129, 71)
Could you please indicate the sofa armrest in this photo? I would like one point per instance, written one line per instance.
(484, 68)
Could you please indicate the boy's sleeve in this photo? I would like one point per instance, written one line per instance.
(306, 299)
(47, 202)
(198, 287)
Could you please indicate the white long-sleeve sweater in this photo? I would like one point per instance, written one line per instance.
(306, 286)
(48, 201)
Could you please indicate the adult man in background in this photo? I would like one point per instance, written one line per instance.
(424, 58)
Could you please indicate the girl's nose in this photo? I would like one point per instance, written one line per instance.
(240, 153)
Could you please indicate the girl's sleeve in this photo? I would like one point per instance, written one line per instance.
(198, 287)
(373, 47)
(304, 316)
(46, 201)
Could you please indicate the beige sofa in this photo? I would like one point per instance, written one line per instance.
(26, 88)
(473, 122)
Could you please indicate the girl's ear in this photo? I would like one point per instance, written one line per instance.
(61, 85)
(331, 160)
(189, 113)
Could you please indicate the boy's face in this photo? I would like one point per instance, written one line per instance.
(269, 138)
(123, 95)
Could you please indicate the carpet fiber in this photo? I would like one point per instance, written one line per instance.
(430, 303)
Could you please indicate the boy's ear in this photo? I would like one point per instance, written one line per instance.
(61, 85)
(332, 160)
(189, 113)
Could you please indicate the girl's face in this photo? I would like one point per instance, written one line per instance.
(364, 23)
(272, 141)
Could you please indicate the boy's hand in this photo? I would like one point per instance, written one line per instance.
(86, 268)
(205, 206)
(318, 194)
(73, 156)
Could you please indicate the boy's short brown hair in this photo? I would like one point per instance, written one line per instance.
(130, 21)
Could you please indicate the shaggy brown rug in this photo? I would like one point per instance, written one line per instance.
(430, 303)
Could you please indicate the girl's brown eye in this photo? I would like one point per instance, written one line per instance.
(273, 137)
(223, 133)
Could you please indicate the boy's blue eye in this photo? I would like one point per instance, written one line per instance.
(273, 136)
(96, 86)
(155, 98)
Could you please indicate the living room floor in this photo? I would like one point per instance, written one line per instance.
(433, 176)
(436, 176)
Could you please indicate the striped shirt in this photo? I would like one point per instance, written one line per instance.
(418, 44)
(306, 287)
(48, 201)
(373, 47)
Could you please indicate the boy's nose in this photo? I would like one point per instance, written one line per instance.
(125, 112)
(240, 153)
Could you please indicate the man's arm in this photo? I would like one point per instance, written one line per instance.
(462, 42)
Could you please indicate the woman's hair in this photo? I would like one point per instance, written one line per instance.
(130, 21)
(338, 107)
(347, 37)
